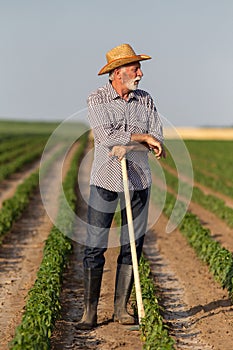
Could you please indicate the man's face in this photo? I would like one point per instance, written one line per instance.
(131, 75)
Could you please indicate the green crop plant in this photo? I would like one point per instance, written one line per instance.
(13, 207)
(219, 259)
(208, 201)
(43, 306)
(155, 334)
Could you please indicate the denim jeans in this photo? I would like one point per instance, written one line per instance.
(101, 209)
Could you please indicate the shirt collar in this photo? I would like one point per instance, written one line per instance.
(113, 95)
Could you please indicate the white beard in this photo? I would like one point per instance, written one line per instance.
(130, 83)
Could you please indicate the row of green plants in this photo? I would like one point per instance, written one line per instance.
(215, 205)
(209, 156)
(43, 306)
(208, 201)
(215, 168)
(18, 128)
(12, 142)
(13, 207)
(219, 259)
(154, 332)
(8, 169)
(212, 163)
(212, 157)
(8, 156)
(216, 184)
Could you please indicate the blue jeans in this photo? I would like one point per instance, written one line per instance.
(101, 208)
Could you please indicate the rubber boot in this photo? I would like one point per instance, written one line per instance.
(92, 284)
(123, 287)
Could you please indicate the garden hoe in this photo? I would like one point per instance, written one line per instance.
(141, 312)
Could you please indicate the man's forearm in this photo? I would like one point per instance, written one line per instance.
(137, 146)
(149, 141)
(140, 138)
(121, 151)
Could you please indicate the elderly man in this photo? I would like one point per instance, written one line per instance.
(125, 123)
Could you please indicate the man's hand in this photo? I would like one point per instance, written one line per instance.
(119, 152)
(151, 143)
(162, 155)
(154, 145)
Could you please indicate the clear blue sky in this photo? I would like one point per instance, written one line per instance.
(52, 50)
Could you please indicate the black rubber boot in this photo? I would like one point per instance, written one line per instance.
(123, 287)
(92, 284)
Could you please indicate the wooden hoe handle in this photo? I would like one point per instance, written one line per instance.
(141, 312)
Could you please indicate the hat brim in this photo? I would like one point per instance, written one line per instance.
(121, 62)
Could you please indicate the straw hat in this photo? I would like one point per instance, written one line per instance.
(119, 56)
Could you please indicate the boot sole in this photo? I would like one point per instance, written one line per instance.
(87, 327)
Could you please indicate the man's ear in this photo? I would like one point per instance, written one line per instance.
(117, 73)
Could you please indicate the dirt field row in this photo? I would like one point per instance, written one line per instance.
(197, 310)
(22, 249)
(195, 305)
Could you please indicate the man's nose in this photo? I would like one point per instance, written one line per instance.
(139, 72)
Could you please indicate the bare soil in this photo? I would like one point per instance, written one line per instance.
(108, 335)
(21, 253)
(220, 231)
(206, 190)
(196, 309)
(8, 186)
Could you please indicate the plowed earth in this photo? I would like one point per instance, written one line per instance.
(22, 249)
(196, 309)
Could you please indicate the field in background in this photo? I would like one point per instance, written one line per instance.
(187, 133)
(206, 226)
(191, 133)
(24, 127)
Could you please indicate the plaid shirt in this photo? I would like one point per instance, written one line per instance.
(113, 120)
